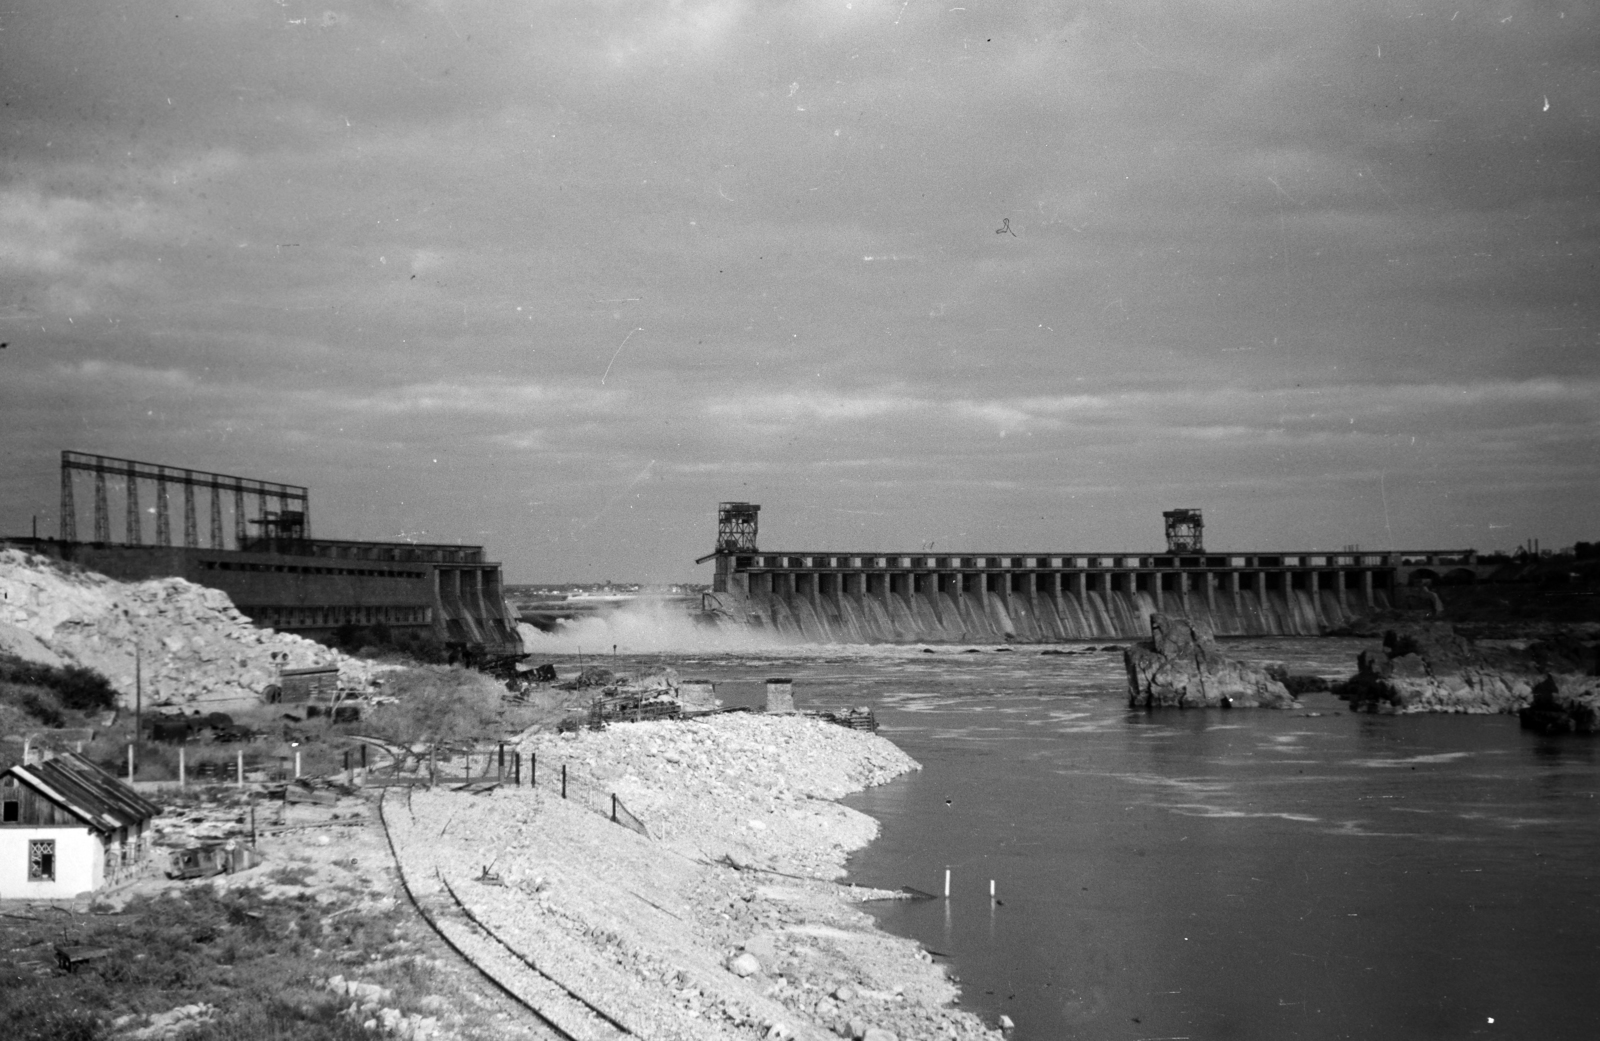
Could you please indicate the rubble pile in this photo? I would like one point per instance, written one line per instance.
(653, 695)
(755, 787)
(192, 645)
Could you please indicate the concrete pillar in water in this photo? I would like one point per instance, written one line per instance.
(780, 695)
(1366, 587)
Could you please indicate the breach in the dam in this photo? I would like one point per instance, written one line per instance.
(832, 596)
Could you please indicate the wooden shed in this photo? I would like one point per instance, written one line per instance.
(294, 686)
(69, 827)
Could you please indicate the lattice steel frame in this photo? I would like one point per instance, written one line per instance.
(1185, 531)
(132, 472)
(736, 527)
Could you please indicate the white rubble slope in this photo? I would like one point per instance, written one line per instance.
(195, 646)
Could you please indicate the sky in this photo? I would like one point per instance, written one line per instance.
(559, 277)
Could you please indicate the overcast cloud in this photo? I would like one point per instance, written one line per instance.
(557, 277)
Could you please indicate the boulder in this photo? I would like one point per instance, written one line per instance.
(1181, 667)
(1434, 668)
(1554, 711)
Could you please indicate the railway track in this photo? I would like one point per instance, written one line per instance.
(564, 1012)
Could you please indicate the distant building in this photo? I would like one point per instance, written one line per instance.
(69, 827)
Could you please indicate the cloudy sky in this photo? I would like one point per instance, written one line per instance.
(558, 276)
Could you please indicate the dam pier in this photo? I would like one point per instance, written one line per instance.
(1044, 597)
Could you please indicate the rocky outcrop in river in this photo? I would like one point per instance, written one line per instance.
(1553, 710)
(1180, 667)
(1434, 668)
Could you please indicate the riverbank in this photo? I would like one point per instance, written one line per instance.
(725, 920)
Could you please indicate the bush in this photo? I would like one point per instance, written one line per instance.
(39, 705)
(75, 688)
(438, 705)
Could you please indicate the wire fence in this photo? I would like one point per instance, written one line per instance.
(574, 786)
(503, 765)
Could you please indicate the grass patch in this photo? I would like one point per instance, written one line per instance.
(261, 964)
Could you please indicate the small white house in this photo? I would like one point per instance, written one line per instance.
(68, 827)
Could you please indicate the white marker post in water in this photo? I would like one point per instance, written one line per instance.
(947, 883)
(991, 890)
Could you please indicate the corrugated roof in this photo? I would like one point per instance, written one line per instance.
(91, 794)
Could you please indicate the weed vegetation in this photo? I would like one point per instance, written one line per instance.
(445, 705)
(259, 963)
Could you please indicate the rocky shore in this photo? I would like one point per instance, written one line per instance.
(1434, 667)
(718, 916)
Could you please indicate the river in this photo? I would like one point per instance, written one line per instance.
(1217, 874)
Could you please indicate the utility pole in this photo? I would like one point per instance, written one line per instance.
(138, 702)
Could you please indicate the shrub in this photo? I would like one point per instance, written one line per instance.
(76, 688)
(437, 705)
(39, 705)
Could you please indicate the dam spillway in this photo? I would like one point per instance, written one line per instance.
(857, 597)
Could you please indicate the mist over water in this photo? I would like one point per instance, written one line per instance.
(646, 626)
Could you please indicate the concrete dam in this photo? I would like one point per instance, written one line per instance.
(881, 597)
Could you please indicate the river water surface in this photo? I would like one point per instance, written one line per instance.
(1218, 874)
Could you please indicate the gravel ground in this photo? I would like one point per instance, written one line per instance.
(725, 922)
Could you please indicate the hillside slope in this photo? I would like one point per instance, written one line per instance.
(192, 645)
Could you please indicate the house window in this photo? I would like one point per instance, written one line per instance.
(41, 860)
(10, 811)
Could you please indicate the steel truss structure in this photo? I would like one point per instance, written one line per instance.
(293, 501)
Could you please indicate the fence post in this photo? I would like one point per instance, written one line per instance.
(130, 763)
(182, 767)
(533, 769)
(613, 807)
(363, 757)
(502, 772)
(433, 764)
(563, 780)
(238, 768)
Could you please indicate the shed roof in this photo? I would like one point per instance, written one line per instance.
(93, 795)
